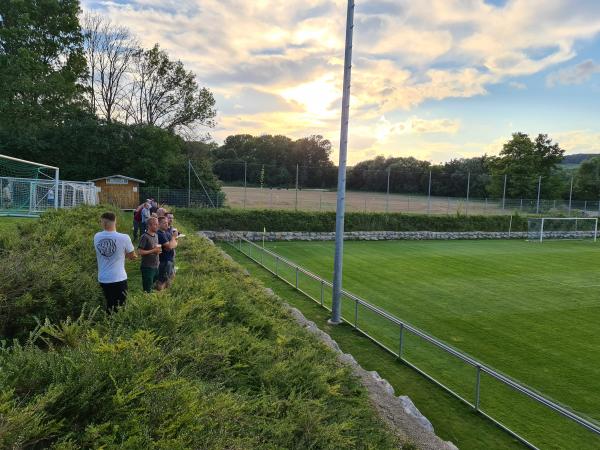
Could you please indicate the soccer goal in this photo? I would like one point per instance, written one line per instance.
(28, 188)
(545, 228)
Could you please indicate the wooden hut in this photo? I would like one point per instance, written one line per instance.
(119, 190)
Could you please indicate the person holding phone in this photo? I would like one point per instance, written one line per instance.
(149, 249)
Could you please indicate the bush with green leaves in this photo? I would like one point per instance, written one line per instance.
(213, 362)
(49, 270)
(281, 220)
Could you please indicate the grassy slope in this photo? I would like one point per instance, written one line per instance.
(528, 310)
(211, 363)
(451, 419)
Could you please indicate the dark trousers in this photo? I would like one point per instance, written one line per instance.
(115, 294)
(149, 277)
(137, 229)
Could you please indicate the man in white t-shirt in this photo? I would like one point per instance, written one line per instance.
(111, 250)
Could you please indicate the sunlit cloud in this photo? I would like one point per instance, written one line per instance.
(276, 66)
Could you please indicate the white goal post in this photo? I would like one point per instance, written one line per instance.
(544, 228)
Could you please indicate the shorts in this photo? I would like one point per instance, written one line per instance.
(149, 277)
(115, 294)
(166, 270)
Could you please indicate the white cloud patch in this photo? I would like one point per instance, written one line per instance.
(577, 74)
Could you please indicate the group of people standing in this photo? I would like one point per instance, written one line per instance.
(156, 247)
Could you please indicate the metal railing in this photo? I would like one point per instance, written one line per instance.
(350, 314)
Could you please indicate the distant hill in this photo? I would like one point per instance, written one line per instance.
(578, 158)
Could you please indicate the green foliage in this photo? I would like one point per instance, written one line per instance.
(525, 161)
(41, 62)
(587, 183)
(276, 157)
(49, 271)
(281, 220)
(215, 362)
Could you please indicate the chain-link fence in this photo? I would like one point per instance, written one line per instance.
(184, 197)
(356, 201)
(407, 190)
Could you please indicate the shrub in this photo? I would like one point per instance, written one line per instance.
(280, 220)
(213, 362)
(49, 270)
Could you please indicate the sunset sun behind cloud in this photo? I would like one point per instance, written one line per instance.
(436, 79)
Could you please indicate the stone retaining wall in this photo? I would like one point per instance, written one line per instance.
(360, 235)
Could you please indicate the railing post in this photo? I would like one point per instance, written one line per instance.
(477, 388)
(401, 348)
(296, 277)
(322, 291)
(355, 313)
(277, 265)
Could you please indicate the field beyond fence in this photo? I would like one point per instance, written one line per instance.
(359, 201)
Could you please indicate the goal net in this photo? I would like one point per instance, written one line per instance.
(545, 228)
(28, 188)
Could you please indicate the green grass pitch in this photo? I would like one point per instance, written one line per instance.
(530, 310)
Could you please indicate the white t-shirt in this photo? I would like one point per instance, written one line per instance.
(111, 248)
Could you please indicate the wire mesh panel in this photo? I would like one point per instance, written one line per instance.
(540, 229)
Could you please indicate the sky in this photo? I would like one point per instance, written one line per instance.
(433, 79)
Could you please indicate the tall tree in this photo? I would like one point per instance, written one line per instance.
(166, 95)
(587, 180)
(109, 50)
(524, 161)
(41, 66)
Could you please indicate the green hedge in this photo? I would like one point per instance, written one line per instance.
(49, 269)
(214, 362)
(279, 220)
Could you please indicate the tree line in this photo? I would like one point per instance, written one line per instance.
(272, 161)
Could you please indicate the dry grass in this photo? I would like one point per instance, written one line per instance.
(320, 200)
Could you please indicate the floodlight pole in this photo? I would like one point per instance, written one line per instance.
(336, 304)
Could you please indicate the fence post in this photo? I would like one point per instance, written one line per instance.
(485, 207)
(429, 195)
(365, 210)
(245, 180)
(504, 193)
(387, 196)
(477, 388)
(448, 210)
(537, 208)
(277, 266)
(585, 207)
(401, 348)
(355, 313)
(468, 192)
(189, 182)
(322, 291)
(570, 195)
(320, 201)
(296, 277)
(296, 205)
(271, 199)
(521, 206)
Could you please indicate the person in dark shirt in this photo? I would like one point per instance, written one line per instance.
(150, 249)
(168, 240)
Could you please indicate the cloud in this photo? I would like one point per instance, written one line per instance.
(579, 141)
(517, 85)
(276, 66)
(577, 74)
